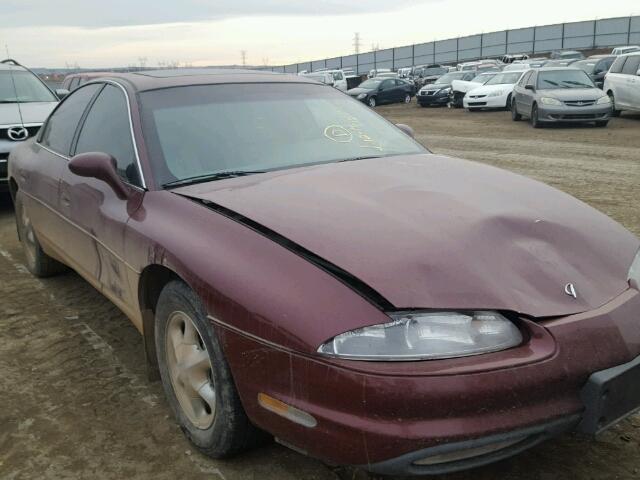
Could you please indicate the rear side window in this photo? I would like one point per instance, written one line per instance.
(62, 124)
(605, 64)
(617, 65)
(75, 82)
(107, 130)
(631, 65)
(525, 78)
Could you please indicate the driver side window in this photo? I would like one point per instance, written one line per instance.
(106, 129)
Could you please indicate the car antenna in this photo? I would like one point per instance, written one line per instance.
(15, 89)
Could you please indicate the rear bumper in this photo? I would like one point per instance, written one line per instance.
(388, 416)
(596, 113)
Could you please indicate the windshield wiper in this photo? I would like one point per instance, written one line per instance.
(211, 177)
(355, 159)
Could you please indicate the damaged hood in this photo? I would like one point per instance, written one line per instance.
(429, 231)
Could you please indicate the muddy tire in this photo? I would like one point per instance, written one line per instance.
(196, 378)
(38, 263)
(407, 99)
(602, 123)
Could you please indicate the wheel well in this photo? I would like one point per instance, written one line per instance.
(152, 280)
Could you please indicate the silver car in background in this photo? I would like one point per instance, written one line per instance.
(25, 103)
(560, 94)
(622, 83)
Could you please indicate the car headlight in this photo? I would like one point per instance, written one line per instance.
(445, 90)
(550, 101)
(497, 93)
(361, 96)
(426, 336)
(604, 100)
(634, 272)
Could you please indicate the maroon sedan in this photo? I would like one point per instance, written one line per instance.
(300, 266)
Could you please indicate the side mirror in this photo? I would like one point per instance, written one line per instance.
(101, 166)
(530, 87)
(406, 129)
(61, 93)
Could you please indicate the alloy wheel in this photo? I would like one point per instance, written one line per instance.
(190, 370)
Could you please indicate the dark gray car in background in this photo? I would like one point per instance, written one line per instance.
(596, 67)
(556, 95)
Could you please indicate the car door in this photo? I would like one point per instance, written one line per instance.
(388, 92)
(41, 174)
(520, 93)
(614, 79)
(628, 83)
(98, 215)
(529, 95)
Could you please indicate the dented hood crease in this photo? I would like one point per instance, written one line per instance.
(427, 231)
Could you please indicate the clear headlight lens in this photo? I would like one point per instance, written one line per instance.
(361, 96)
(427, 336)
(604, 100)
(497, 93)
(634, 272)
(445, 90)
(550, 101)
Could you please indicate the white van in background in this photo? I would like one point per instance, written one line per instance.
(622, 83)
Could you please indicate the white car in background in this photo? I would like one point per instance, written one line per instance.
(496, 93)
(625, 50)
(622, 83)
(335, 78)
(459, 88)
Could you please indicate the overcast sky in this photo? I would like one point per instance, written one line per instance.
(52, 33)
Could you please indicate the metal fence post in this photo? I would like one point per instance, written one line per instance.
(629, 31)
(413, 54)
(458, 50)
(595, 30)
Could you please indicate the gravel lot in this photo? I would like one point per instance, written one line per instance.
(74, 398)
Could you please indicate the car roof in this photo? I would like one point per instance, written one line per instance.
(157, 79)
(10, 64)
(632, 54)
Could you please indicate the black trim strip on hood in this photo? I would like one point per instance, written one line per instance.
(348, 279)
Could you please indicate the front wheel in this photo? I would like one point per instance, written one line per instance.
(196, 377)
(508, 104)
(535, 120)
(407, 99)
(38, 263)
(515, 116)
(602, 123)
(372, 102)
(614, 112)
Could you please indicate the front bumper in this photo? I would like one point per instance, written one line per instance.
(485, 101)
(564, 113)
(439, 98)
(386, 416)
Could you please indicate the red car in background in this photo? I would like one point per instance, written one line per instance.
(298, 265)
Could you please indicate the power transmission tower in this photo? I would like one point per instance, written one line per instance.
(243, 54)
(357, 42)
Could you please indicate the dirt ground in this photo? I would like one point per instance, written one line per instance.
(75, 401)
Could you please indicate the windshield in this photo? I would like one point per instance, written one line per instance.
(202, 130)
(450, 77)
(505, 78)
(28, 88)
(564, 79)
(371, 84)
(585, 66)
(483, 78)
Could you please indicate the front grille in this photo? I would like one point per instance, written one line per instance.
(580, 103)
(430, 92)
(477, 96)
(477, 104)
(4, 132)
